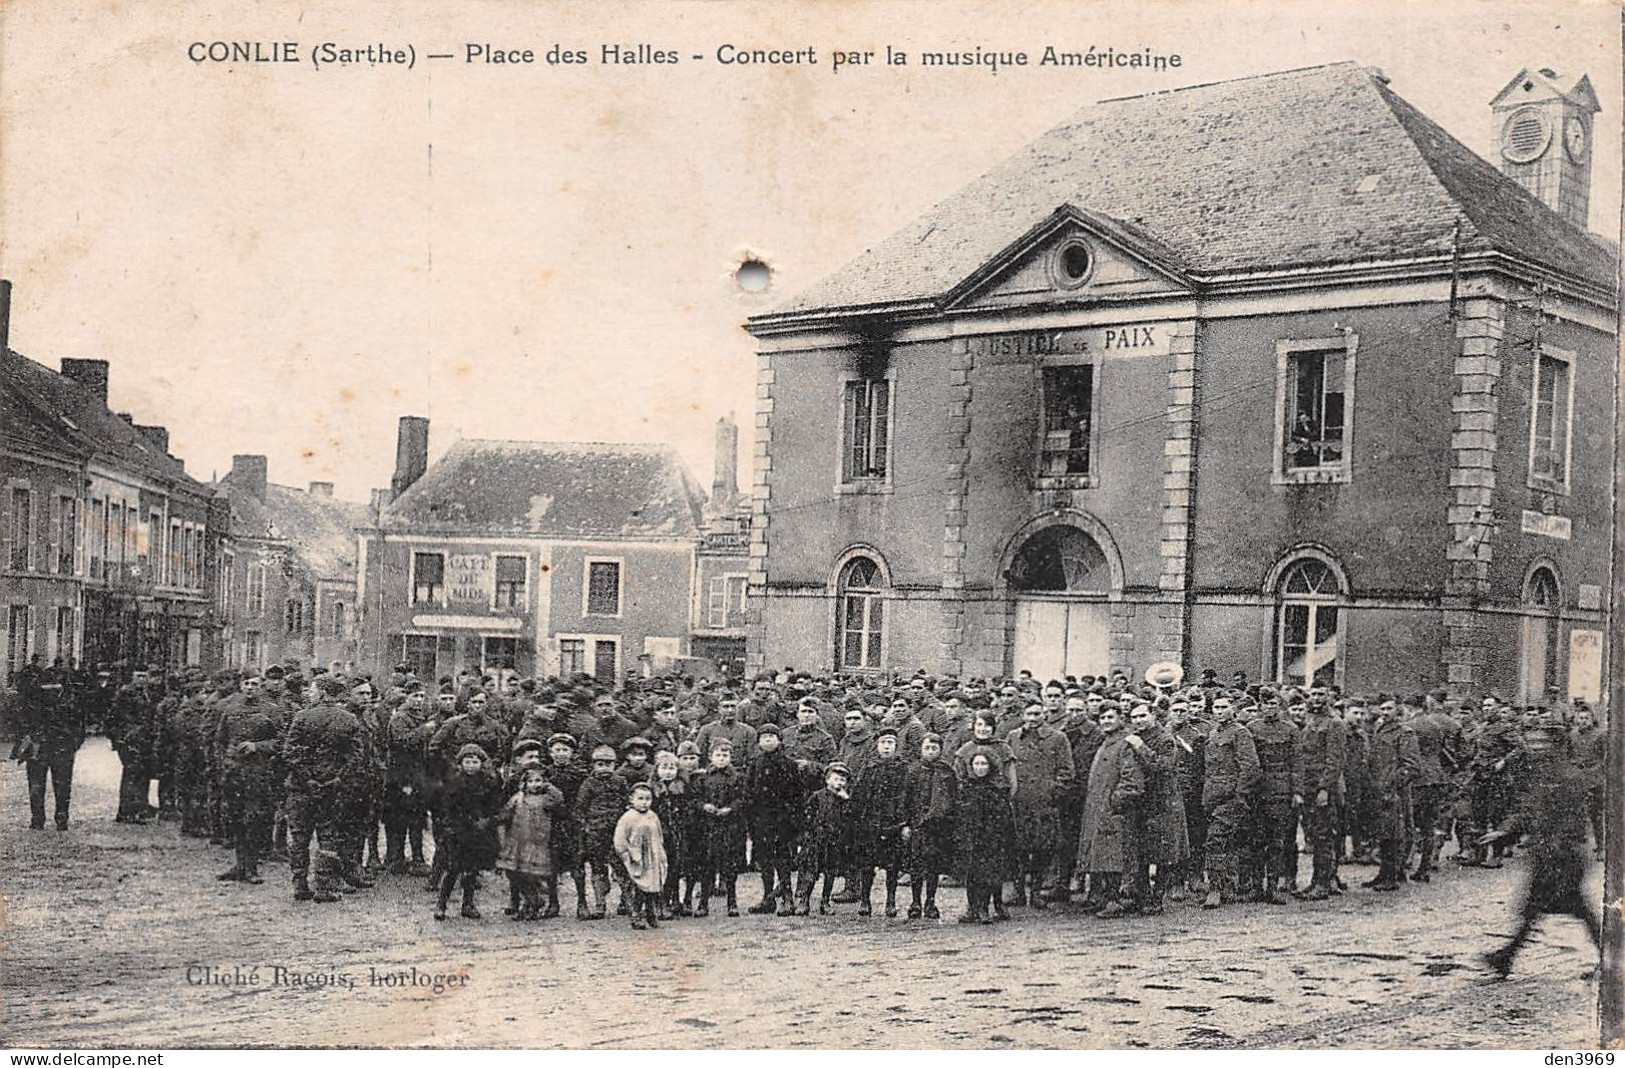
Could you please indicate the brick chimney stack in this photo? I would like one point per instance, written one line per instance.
(321, 489)
(725, 482)
(91, 374)
(411, 454)
(250, 473)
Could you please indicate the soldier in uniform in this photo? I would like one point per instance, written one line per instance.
(1394, 762)
(246, 745)
(1230, 776)
(406, 782)
(1190, 734)
(324, 755)
(1274, 820)
(130, 728)
(1588, 748)
(1045, 777)
(1496, 740)
(1438, 739)
(1318, 765)
(53, 729)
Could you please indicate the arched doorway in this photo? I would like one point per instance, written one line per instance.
(1537, 654)
(1061, 581)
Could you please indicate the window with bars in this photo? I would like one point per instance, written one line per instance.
(603, 588)
(1551, 400)
(510, 582)
(866, 430)
(428, 578)
(862, 622)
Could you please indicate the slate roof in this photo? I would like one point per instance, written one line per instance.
(319, 531)
(557, 490)
(1255, 174)
(54, 413)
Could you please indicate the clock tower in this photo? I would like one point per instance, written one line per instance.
(1542, 139)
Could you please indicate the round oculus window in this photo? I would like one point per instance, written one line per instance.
(1525, 135)
(1072, 264)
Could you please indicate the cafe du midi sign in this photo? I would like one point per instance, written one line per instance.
(1101, 341)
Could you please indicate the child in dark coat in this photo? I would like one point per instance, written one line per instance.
(468, 804)
(721, 798)
(674, 804)
(826, 841)
(880, 815)
(929, 799)
(567, 773)
(599, 805)
(776, 796)
(984, 829)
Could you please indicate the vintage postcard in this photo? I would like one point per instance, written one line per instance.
(873, 525)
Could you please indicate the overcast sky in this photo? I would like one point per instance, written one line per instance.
(275, 262)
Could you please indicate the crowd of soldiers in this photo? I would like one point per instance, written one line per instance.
(1124, 795)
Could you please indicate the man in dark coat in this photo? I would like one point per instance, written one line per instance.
(808, 743)
(1043, 776)
(1438, 740)
(247, 744)
(131, 729)
(406, 782)
(52, 730)
(1393, 763)
(1495, 741)
(774, 794)
(1318, 764)
(1550, 814)
(1113, 818)
(1588, 748)
(1230, 777)
(1274, 821)
(324, 755)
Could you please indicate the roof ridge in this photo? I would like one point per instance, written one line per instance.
(1228, 81)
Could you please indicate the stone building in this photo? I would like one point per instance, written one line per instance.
(288, 578)
(108, 547)
(1271, 375)
(539, 558)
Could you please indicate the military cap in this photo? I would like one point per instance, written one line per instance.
(472, 749)
(561, 739)
(603, 752)
(768, 728)
(839, 768)
(447, 688)
(886, 732)
(527, 745)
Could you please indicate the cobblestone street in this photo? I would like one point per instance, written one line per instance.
(103, 923)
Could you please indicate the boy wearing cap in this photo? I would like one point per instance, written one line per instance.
(470, 802)
(826, 844)
(599, 804)
(773, 792)
(929, 799)
(721, 797)
(567, 773)
(879, 804)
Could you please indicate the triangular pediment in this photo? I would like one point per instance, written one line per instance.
(1532, 86)
(1072, 255)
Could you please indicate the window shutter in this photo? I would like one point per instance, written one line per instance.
(54, 530)
(882, 409)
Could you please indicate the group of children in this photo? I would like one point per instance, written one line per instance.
(671, 835)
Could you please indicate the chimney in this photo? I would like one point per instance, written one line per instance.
(158, 435)
(725, 482)
(380, 500)
(1543, 139)
(249, 473)
(129, 419)
(5, 316)
(91, 374)
(411, 454)
(321, 489)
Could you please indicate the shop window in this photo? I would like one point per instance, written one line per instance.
(499, 654)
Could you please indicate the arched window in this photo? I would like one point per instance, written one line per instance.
(1060, 559)
(862, 615)
(1537, 667)
(1306, 627)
